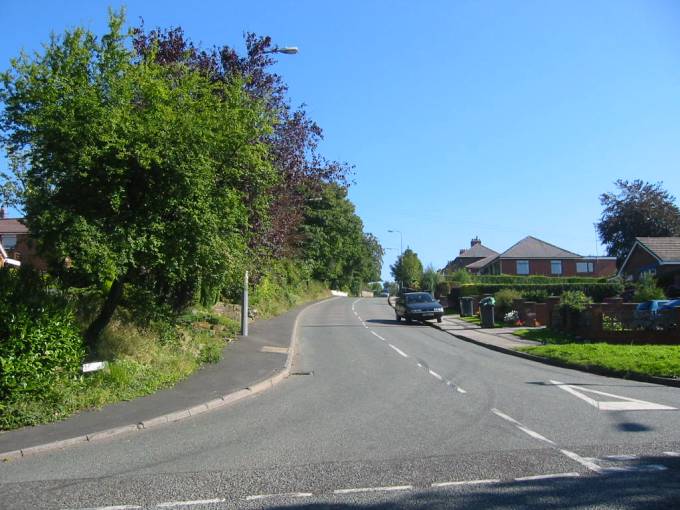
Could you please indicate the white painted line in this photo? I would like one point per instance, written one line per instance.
(374, 489)
(466, 482)
(583, 461)
(421, 366)
(359, 317)
(171, 504)
(402, 353)
(281, 495)
(521, 427)
(435, 375)
(376, 334)
(621, 457)
(622, 404)
(460, 390)
(573, 474)
(645, 468)
(671, 454)
(114, 507)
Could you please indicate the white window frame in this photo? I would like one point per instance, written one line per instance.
(522, 263)
(588, 265)
(553, 264)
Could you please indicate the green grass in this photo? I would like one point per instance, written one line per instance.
(658, 360)
(475, 319)
(545, 336)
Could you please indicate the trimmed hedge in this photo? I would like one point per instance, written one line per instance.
(533, 279)
(597, 291)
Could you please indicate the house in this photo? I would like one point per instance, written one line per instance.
(17, 243)
(657, 255)
(532, 256)
(5, 260)
(476, 252)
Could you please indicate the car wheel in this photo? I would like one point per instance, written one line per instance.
(398, 317)
(439, 319)
(408, 319)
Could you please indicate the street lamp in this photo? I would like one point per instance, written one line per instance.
(287, 50)
(401, 240)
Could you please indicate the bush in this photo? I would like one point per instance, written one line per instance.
(574, 300)
(40, 342)
(536, 295)
(504, 300)
(646, 289)
(597, 291)
(443, 289)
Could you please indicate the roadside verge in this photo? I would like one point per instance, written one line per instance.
(249, 366)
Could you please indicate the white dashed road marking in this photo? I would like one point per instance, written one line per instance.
(402, 353)
(672, 454)
(282, 495)
(521, 427)
(172, 504)
(547, 477)
(374, 489)
(435, 375)
(376, 334)
(465, 482)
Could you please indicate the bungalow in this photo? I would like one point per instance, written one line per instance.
(657, 255)
(475, 253)
(532, 256)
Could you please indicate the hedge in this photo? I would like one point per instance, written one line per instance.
(534, 279)
(597, 291)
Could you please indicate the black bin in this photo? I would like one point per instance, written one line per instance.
(487, 312)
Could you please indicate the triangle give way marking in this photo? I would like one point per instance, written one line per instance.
(622, 404)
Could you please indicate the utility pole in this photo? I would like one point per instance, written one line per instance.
(244, 307)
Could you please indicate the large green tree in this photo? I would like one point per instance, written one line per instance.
(136, 172)
(638, 209)
(334, 243)
(408, 269)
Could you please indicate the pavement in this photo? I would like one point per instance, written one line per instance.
(248, 365)
(381, 414)
(499, 337)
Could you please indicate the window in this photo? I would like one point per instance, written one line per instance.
(555, 267)
(522, 267)
(584, 267)
(9, 241)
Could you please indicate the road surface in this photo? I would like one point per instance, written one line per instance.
(382, 414)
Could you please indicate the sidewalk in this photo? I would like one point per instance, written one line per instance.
(497, 337)
(249, 365)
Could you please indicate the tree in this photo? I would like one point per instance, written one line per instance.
(430, 279)
(334, 243)
(639, 209)
(408, 270)
(143, 174)
(646, 289)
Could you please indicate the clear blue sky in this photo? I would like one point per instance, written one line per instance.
(492, 118)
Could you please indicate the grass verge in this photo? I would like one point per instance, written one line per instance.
(657, 360)
(142, 361)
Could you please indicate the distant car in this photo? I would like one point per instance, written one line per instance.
(418, 306)
(384, 294)
(645, 314)
(668, 316)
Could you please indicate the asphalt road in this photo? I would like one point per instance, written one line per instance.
(386, 415)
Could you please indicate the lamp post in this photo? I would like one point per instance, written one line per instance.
(401, 248)
(287, 50)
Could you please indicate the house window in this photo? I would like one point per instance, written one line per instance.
(584, 267)
(555, 267)
(9, 241)
(522, 267)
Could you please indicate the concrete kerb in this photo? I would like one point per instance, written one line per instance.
(564, 364)
(229, 398)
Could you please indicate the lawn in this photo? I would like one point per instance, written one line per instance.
(657, 360)
(474, 319)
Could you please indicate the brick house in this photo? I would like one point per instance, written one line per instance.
(17, 242)
(532, 256)
(476, 252)
(657, 255)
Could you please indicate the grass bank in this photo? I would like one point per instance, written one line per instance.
(656, 360)
(142, 361)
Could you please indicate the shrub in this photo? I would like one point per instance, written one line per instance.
(460, 276)
(40, 342)
(443, 289)
(646, 289)
(574, 300)
(536, 295)
(504, 300)
(597, 291)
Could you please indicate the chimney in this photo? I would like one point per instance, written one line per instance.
(2, 213)
(475, 241)
(462, 250)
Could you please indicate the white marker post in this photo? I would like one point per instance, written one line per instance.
(244, 307)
